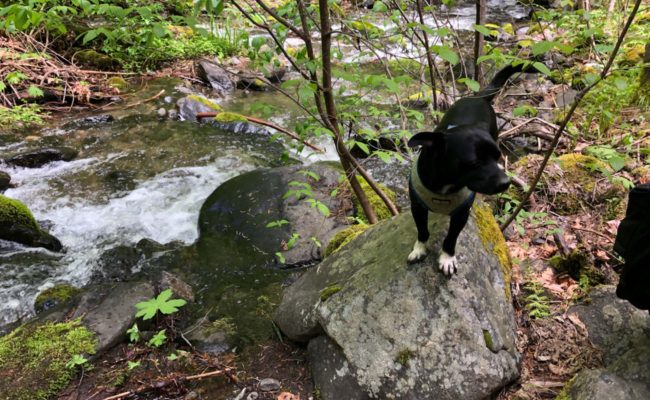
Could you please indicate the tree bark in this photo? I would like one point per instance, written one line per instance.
(478, 41)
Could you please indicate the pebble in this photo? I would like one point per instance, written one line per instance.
(172, 114)
(269, 385)
(161, 112)
(168, 99)
(252, 396)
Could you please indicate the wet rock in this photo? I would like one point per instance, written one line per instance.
(117, 264)
(269, 385)
(239, 127)
(17, 224)
(55, 296)
(180, 288)
(275, 74)
(191, 105)
(109, 310)
(89, 122)
(211, 336)
(214, 75)
(396, 324)
(235, 216)
(172, 114)
(251, 81)
(93, 59)
(5, 181)
(118, 83)
(38, 158)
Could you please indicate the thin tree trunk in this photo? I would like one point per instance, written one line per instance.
(331, 115)
(478, 41)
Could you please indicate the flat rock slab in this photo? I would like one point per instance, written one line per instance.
(109, 310)
(407, 331)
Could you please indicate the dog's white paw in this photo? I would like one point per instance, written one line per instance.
(419, 252)
(447, 264)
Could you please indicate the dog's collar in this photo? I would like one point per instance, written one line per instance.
(436, 202)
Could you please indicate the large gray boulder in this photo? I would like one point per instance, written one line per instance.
(233, 220)
(622, 333)
(380, 328)
(221, 80)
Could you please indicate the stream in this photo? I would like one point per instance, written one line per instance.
(137, 176)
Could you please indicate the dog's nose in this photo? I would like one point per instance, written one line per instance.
(503, 184)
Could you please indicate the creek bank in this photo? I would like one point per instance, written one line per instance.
(622, 333)
(388, 327)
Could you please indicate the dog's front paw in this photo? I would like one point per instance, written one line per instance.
(419, 252)
(447, 264)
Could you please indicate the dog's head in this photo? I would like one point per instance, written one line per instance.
(462, 156)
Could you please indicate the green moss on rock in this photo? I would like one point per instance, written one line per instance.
(404, 356)
(344, 237)
(55, 295)
(206, 102)
(375, 201)
(328, 291)
(16, 213)
(118, 82)
(493, 241)
(33, 359)
(226, 117)
(489, 343)
(579, 267)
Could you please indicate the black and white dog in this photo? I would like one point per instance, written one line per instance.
(458, 159)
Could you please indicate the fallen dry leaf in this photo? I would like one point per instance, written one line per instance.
(288, 396)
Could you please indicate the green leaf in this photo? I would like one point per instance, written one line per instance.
(133, 364)
(34, 91)
(158, 339)
(482, 30)
(542, 47)
(134, 333)
(147, 309)
(542, 68)
(90, 35)
(446, 53)
(471, 84)
(362, 146)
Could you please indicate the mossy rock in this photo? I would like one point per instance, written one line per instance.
(14, 212)
(493, 241)
(632, 55)
(206, 102)
(94, 59)
(118, 82)
(17, 224)
(33, 359)
(344, 237)
(55, 295)
(573, 182)
(226, 117)
(375, 201)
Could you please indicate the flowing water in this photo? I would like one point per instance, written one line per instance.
(138, 176)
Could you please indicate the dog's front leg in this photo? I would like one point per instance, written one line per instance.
(447, 261)
(421, 218)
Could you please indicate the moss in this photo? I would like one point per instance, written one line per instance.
(54, 295)
(328, 291)
(493, 241)
(579, 267)
(33, 358)
(118, 82)
(225, 325)
(633, 55)
(404, 356)
(375, 201)
(206, 102)
(489, 343)
(15, 212)
(91, 58)
(344, 237)
(226, 117)
(564, 393)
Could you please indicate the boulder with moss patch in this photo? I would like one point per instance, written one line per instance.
(573, 182)
(344, 237)
(459, 332)
(33, 359)
(17, 224)
(375, 201)
(221, 80)
(54, 296)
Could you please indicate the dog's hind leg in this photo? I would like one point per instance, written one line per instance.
(421, 218)
(447, 261)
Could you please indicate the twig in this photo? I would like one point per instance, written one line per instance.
(569, 115)
(137, 103)
(161, 384)
(594, 232)
(265, 123)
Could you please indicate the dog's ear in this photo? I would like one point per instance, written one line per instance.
(427, 139)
